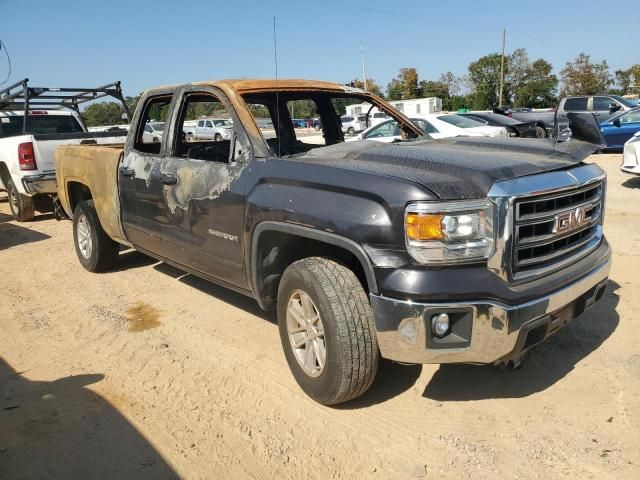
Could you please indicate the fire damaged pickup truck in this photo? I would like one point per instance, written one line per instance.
(419, 251)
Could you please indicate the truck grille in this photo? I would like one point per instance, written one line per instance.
(550, 229)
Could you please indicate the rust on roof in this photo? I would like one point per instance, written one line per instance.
(243, 86)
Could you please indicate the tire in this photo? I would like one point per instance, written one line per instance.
(541, 132)
(22, 206)
(98, 252)
(217, 137)
(345, 320)
(351, 131)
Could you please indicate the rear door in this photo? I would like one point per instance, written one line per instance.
(140, 184)
(572, 104)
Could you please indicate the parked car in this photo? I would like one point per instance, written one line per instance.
(544, 120)
(389, 131)
(351, 124)
(453, 251)
(30, 130)
(631, 155)
(515, 128)
(153, 132)
(466, 123)
(217, 129)
(602, 106)
(620, 128)
(299, 123)
(377, 117)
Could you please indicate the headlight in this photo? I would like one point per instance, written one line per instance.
(449, 232)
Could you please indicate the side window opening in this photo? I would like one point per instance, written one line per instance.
(214, 142)
(151, 126)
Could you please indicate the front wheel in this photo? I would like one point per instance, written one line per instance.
(327, 330)
(95, 250)
(217, 137)
(22, 206)
(351, 131)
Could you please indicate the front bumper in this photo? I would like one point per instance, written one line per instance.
(482, 331)
(40, 184)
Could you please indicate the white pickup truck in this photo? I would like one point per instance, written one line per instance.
(30, 131)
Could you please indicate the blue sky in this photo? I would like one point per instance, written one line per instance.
(149, 43)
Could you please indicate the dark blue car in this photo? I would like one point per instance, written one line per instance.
(620, 128)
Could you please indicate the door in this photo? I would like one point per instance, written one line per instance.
(201, 207)
(140, 187)
(601, 108)
(621, 129)
(572, 104)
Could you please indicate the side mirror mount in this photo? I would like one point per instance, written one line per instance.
(614, 107)
(616, 122)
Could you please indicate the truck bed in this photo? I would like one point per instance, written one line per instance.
(96, 168)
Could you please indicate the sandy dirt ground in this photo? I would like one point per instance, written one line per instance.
(145, 372)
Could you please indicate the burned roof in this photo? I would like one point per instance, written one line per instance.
(243, 86)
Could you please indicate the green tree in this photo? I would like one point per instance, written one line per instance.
(372, 86)
(627, 81)
(539, 88)
(484, 76)
(103, 113)
(582, 77)
(404, 86)
(452, 82)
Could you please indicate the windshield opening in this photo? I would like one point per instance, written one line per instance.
(322, 111)
(627, 102)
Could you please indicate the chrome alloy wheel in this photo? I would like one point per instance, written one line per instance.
(85, 243)
(306, 333)
(13, 200)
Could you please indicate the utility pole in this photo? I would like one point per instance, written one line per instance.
(504, 36)
(364, 74)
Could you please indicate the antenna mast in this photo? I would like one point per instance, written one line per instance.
(364, 73)
(504, 35)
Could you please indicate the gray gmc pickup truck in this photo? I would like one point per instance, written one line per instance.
(420, 251)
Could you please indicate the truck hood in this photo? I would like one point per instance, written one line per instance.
(453, 169)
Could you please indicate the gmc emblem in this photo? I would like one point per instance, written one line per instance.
(571, 220)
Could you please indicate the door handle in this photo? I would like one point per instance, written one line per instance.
(126, 171)
(168, 179)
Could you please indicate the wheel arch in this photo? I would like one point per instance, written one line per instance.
(5, 175)
(268, 259)
(77, 192)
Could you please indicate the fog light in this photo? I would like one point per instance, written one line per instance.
(440, 324)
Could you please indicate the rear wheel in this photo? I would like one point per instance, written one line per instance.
(327, 330)
(541, 132)
(22, 206)
(95, 250)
